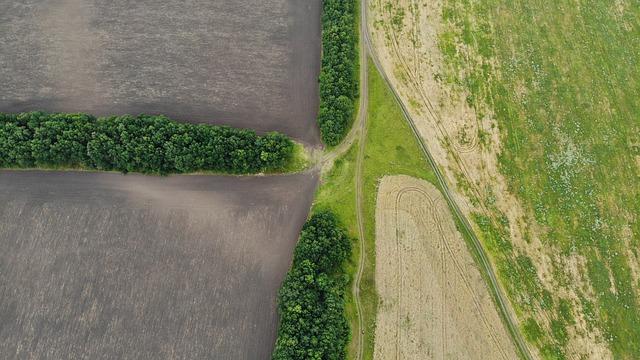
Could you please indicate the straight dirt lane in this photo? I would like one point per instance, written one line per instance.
(106, 266)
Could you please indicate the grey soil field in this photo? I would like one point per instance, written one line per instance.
(107, 266)
(246, 63)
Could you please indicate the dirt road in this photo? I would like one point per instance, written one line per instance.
(362, 124)
(502, 302)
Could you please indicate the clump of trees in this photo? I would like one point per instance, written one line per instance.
(338, 83)
(144, 143)
(312, 297)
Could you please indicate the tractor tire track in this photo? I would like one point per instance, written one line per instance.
(484, 262)
(446, 249)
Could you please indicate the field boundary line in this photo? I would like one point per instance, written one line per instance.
(502, 302)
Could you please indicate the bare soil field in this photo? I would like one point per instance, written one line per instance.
(107, 266)
(433, 301)
(246, 63)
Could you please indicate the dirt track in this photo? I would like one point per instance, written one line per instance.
(247, 63)
(433, 302)
(106, 266)
(426, 121)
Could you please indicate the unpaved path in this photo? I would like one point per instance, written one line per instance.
(244, 63)
(362, 125)
(325, 163)
(486, 267)
(434, 303)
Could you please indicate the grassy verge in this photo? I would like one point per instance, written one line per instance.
(337, 193)
(390, 149)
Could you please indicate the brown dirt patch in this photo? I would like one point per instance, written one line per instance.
(434, 303)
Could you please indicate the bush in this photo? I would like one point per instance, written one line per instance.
(338, 85)
(311, 300)
(275, 150)
(61, 139)
(144, 143)
(15, 145)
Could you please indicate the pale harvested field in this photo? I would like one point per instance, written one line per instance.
(106, 266)
(434, 303)
(246, 63)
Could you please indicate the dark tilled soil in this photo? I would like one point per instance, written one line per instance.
(246, 63)
(107, 266)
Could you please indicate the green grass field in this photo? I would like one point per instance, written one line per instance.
(390, 149)
(562, 79)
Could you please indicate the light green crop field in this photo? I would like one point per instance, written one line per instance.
(390, 149)
(562, 79)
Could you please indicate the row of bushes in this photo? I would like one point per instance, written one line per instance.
(144, 143)
(312, 298)
(338, 83)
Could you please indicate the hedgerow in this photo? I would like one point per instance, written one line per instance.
(144, 143)
(338, 85)
(312, 297)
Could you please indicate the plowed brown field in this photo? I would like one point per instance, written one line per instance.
(106, 266)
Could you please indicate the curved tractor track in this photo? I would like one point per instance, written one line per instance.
(366, 48)
(433, 247)
(445, 250)
(413, 76)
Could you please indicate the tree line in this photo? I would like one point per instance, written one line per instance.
(312, 298)
(338, 83)
(144, 143)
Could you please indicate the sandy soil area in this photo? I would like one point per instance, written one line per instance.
(408, 50)
(434, 303)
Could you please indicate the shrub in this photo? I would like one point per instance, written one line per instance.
(311, 300)
(275, 150)
(338, 85)
(61, 139)
(144, 143)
